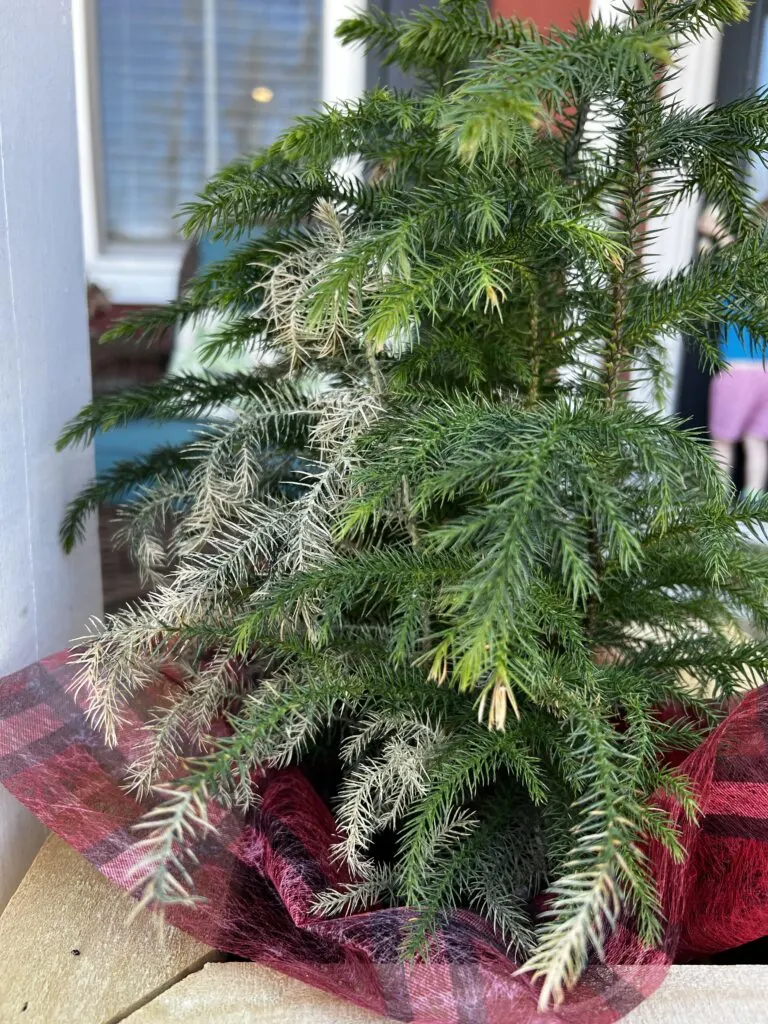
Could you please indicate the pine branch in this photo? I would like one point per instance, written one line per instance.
(181, 397)
(604, 868)
(161, 873)
(224, 287)
(433, 41)
(119, 483)
(249, 195)
(501, 103)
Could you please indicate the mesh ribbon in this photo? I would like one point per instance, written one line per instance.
(259, 873)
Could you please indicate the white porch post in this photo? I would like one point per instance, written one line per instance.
(675, 241)
(675, 235)
(45, 596)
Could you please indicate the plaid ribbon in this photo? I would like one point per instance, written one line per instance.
(259, 873)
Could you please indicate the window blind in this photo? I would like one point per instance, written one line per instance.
(759, 171)
(274, 46)
(165, 106)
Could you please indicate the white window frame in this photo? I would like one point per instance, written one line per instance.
(143, 274)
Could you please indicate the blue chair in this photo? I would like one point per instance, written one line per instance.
(142, 436)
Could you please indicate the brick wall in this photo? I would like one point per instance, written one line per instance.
(544, 12)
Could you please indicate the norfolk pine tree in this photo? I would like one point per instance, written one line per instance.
(439, 533)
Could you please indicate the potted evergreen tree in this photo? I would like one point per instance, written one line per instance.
(439, 538)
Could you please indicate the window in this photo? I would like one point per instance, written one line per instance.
(187, 85)
(170, 90)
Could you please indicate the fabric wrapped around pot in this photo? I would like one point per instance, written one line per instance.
(259, 873)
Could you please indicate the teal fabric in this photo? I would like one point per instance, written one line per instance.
(733, 347)
(212, 249)
(140, 438)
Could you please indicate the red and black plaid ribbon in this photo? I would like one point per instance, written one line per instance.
(259, 873)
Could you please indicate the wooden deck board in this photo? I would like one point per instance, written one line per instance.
(70, 954)
(240, 993)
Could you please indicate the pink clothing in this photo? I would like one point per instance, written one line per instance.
(738, 403)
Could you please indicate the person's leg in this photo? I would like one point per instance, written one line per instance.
(725, 455)
(731, 407)
(756, 435)
(755, 463)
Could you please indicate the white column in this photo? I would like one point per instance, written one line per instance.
(675, 235)
(45, 596)
(675, 241)
(343, 66)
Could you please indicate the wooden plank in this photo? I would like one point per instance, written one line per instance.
(70, 952)
(707, 994)
(240, 993)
